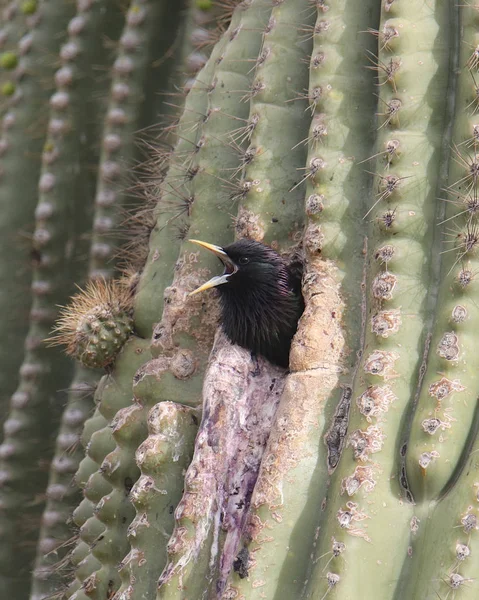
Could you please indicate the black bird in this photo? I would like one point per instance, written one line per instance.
(260, 296)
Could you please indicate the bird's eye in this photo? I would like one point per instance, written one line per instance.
(244, 260)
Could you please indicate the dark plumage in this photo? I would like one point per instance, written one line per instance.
(260, 296)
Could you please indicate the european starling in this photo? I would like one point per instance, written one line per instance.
(260, 296)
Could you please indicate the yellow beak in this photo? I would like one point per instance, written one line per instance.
(215, 249)
(219, 279)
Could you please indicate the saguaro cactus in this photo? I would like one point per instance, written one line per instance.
(343, 134)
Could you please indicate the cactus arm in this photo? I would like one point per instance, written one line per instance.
(113, 394)
(446, 406)
(126, 114)
(43, 371)
(73, 126)
(12, 146)
(61, 495)
(14, 329)
(115, 510)
(366, 486)
(198, 550)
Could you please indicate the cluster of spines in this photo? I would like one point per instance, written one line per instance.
(96, 324)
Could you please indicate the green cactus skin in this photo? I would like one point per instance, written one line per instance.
(29, 7)
(81, 556)
(204, 4)
(163, 459)
(200, 27)
(85, 564)
(193, 512)
(13, 26)
(54, 241)
(71, 126)
(188, 322)
(8, 60)
(96, 422)
(197, 33)
(198, 30)
(14, 161)
(47, 576)
(113, 333)
(196, 535)
(172, 208)
(113, 393)
(78, 109)
(115, 510)
(128, 112)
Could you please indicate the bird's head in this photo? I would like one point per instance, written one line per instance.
(247, 264)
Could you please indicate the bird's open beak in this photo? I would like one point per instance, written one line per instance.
(230, 267)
